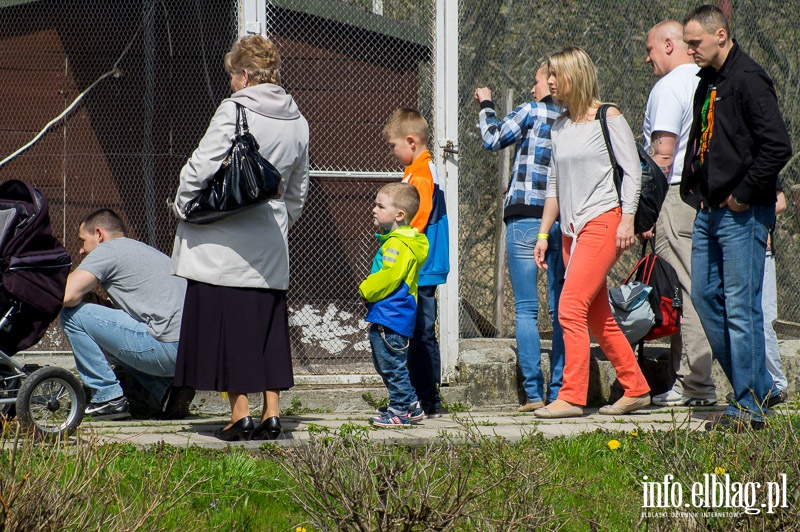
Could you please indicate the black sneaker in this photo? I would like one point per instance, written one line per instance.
(177, 402)
(436, 412)
(777, 399)
(728, 423)
(114, 409)
(772, 400)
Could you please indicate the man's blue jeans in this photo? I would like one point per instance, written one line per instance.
(389, 352)
(728, 250)
(769, 302)
(521, 233)
(92, 329)
(424, 358)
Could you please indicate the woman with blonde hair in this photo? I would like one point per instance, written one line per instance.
(597, 227)
(235, 330)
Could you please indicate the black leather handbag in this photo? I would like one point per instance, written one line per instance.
(244, 180)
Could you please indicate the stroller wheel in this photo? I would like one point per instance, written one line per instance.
(51, 403)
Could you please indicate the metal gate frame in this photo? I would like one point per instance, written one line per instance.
(253, 20)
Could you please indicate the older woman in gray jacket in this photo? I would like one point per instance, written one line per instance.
(235, 331)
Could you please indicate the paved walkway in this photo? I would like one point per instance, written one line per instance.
(298, 428)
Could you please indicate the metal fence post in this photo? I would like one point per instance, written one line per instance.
(252, 17)
(445, 119)
(503, 176)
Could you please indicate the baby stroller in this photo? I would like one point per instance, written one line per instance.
(34, 266)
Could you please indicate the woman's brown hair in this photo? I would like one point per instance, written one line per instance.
(257, 56)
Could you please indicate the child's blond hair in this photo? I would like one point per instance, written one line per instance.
(405, 122)
(404, 197)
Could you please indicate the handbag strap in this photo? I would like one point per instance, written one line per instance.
(601, 116)
(646, 263)
(241, 120)
(635, 270)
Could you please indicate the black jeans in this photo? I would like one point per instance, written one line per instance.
(424, 359)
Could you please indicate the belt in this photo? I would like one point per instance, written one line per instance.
(712, 208)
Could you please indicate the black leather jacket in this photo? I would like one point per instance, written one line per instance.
(749, 143)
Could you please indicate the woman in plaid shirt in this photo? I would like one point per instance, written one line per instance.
(528, 128)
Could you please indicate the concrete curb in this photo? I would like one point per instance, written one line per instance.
(300, 429)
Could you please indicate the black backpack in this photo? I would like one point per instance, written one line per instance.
(666, 296)
(654, 183)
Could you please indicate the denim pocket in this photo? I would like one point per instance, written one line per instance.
(526, 230)
(394, 341)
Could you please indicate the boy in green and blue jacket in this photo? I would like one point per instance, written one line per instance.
(390, 293)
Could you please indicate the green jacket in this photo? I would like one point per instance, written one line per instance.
(391, 288)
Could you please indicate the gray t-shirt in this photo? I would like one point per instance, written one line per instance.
(137, 279)
(581, 176)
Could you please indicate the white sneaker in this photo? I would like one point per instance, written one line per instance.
(674, 398)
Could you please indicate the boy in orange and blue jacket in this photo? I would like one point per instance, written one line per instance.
(406, 131)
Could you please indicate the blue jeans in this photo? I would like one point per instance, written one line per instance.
(769, 302)
(521, 235)
(389, 352)
(92, 329)
(424, 358)
(727, 278)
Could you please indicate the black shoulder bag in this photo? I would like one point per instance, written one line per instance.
(244, 180)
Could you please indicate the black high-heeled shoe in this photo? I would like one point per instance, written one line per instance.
(242, 430)
(269, 429)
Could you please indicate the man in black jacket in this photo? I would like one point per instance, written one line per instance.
(737, 146)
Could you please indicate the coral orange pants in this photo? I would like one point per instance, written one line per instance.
(584, 307)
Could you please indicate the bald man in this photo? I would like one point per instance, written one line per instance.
(667, 121)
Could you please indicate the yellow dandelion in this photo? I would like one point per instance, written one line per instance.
(635, 433)
(300, 529)
(614, 445)
(719, 470)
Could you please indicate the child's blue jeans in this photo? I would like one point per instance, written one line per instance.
(389, 354)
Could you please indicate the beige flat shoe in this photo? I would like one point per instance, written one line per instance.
(530, 407)
(546, 413)
(619, 409)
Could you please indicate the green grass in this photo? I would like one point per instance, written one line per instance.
(598, 483)
(577, 483)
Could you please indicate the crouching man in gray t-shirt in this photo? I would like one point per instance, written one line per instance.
(141, 333)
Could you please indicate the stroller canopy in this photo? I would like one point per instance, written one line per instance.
(33, 265)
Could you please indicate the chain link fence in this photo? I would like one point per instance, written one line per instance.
(147, 77)
(126, 88)
(137, 83)
(501, 44)
(349, 65)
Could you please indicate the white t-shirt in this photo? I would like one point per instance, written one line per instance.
(669, 109)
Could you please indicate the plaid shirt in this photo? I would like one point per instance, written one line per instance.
(528, 127)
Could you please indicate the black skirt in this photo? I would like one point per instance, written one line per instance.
(234, 340)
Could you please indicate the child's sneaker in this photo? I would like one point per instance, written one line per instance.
(415, 412)
(391, 420)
